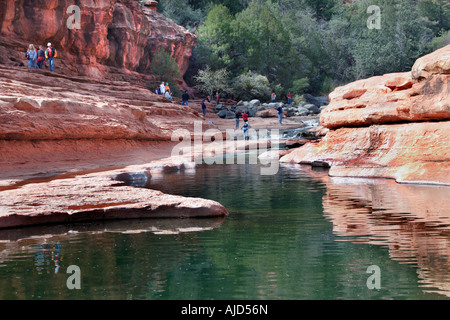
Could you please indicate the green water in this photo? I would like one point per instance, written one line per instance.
(294, 235)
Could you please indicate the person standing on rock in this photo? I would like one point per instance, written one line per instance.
(50, 55)
(245, 116)
(280, 113)
(204, 108)
(185, 98)
(238, 115)
(40, 57)
(167, 88)
(289, 97)
(273, 96)
(245, 129)
(217, 98)
(31, 55)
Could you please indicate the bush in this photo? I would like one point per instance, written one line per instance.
(442, 41)
(300, 86)
(250, 86)
(164, 67)
(298, 99)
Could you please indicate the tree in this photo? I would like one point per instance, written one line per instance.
(262, 44)
(182, 12)
(215, 39)
(209, 81)
(165, 69)
(402, 39)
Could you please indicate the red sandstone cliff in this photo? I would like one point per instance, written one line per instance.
(391, 126)
(116, 39)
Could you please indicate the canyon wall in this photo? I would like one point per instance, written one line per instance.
(392, 126)
(116, 39)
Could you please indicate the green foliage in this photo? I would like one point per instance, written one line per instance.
(436, 14)
(441, 41)
(210, 81)
(165, 69)
(300, 86)
(308, 45)
(250, 86)
(181, 12)
(215, 42)
(298, 99)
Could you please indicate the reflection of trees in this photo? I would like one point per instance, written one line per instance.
(413, 221)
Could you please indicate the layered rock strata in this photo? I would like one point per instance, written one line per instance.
(103, 39)
(52, 123)
(392, 126)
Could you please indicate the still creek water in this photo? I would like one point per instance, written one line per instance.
(295, 235)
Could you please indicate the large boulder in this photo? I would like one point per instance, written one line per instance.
(317, 101)
(391, 126)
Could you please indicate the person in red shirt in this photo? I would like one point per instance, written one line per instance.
(289, 97)
(245, 116)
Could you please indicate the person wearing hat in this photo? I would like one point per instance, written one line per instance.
(50, 55)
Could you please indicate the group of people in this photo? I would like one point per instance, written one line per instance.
(37, 57)
(273, 97)
(246, 125)
(164, 89)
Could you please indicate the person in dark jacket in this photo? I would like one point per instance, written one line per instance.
(40, 57)
(204, 108)
(238, 115)
(280, 113)
(185, 98)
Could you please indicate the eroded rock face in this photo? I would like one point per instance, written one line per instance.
(392, 126)
(391, 98)
(114, 35)
(47, 106)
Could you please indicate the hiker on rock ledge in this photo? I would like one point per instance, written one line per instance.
(50, 55)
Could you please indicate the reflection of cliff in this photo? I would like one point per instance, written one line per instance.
(412, 221)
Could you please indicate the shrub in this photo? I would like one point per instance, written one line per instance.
(250, 86)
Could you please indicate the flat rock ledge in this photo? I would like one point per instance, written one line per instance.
(100, 196)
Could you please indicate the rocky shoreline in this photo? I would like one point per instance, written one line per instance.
(392, 126)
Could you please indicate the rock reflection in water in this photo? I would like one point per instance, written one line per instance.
(41, 239)
(413, 221)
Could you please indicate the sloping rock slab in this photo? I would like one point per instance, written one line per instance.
(95, 197)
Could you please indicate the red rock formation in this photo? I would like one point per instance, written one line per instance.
(116, 39)
(49, 106)
(95, 197)
(392, 126)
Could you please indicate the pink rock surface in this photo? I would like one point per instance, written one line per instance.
(392, 126)
(44, 106)
(94, 197)
(116, 39)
